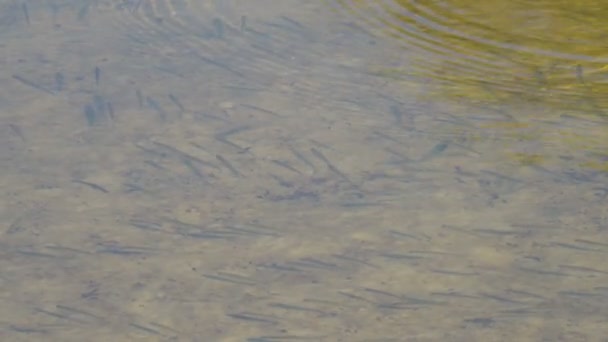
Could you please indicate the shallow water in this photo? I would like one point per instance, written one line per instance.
(179, 170)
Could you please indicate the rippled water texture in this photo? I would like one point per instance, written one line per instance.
(547, 54)
(548, 51)
(288, 170)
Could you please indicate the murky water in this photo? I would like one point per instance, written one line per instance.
(179, 170)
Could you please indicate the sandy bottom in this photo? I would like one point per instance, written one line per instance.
(230, 171)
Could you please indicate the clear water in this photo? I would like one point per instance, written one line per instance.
(180, 170)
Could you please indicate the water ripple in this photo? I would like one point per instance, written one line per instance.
(546, 51)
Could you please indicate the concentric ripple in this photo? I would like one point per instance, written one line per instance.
(553, 51)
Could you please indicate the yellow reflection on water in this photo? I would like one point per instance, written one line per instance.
(548, 51)
(552, 54)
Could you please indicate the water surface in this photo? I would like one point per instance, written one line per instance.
(178, 170)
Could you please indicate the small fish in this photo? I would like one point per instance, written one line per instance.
(59, 81)
(26, 13)
(435, 151)
(97, 75)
